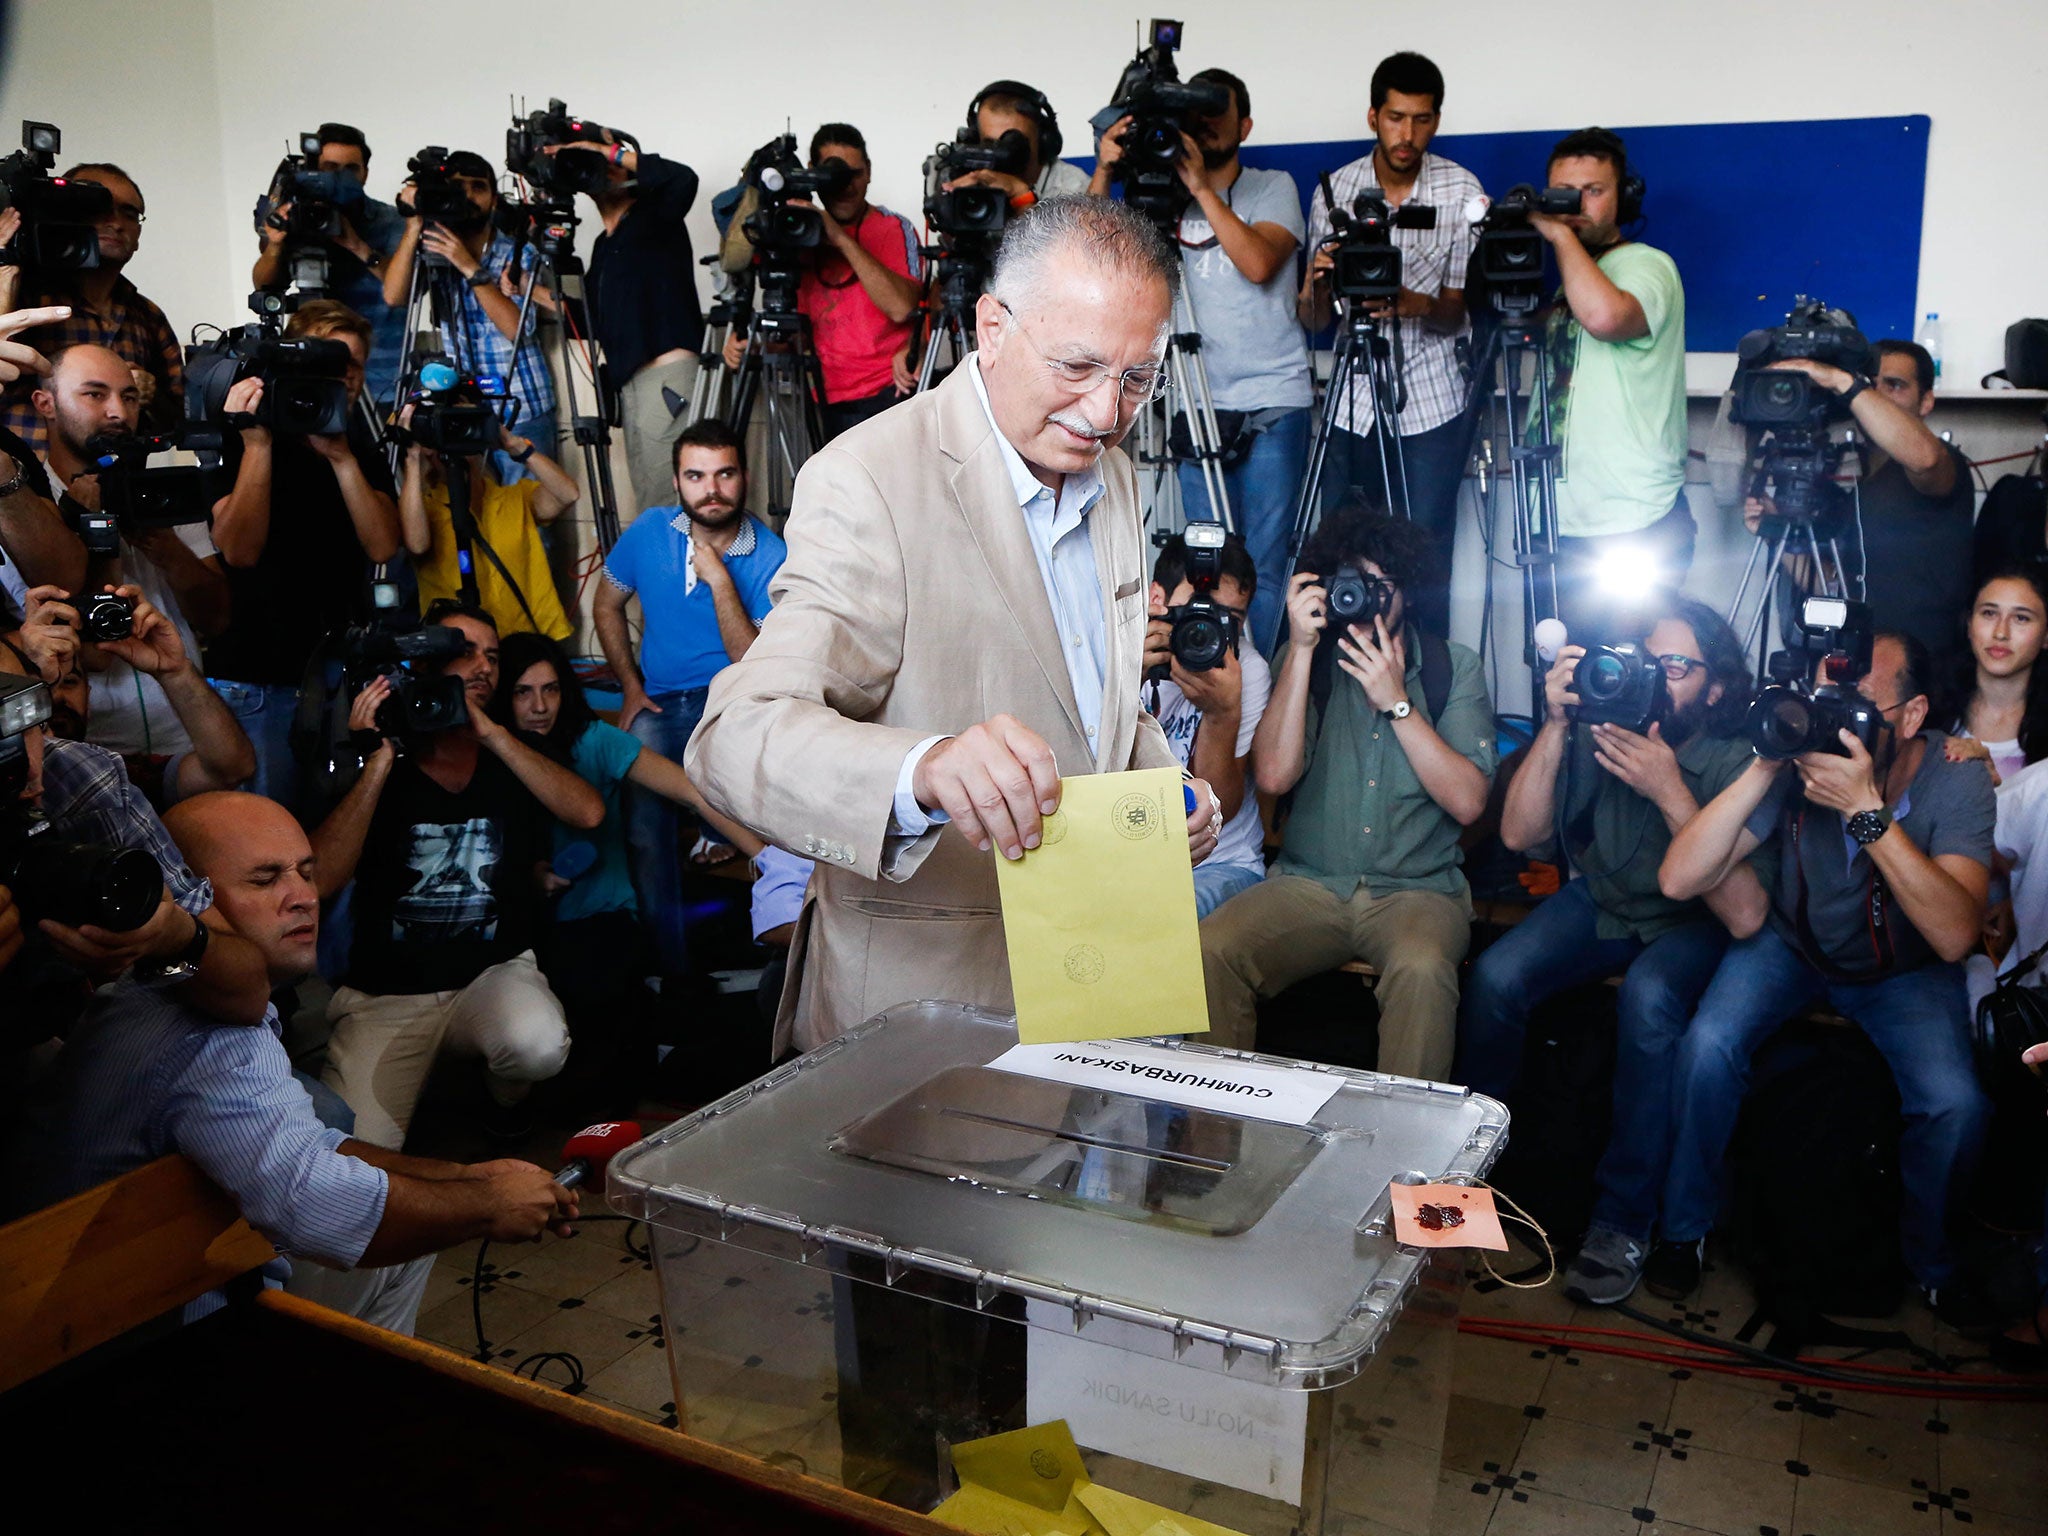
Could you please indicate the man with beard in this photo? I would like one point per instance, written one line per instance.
(1614, 355)
(442, 844)
(1885, 858)
(1237, 238)
(1424, 322)
(1615, 797)
(701, 570)
(91, 390)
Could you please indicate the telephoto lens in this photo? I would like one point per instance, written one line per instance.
(78, 883)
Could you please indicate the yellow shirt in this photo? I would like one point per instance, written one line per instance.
(506, 523)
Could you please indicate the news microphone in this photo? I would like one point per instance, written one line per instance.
(590, 1151)
(1550, 638)
(772, 179)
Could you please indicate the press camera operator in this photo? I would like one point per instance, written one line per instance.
(86, 797)
(36, 547)
(1917, 502)
(1407, 99)
(484, 334)
(1386, 770)
(1006, 106)
(88, 391)
(861, 297)
(642, 284)
(104, 309)
(145, 1075)
(1237, 240)
(441, 843)
(1618, 790)
(1878, 933)
(306, 518)
(1614, 352)
(369, 236)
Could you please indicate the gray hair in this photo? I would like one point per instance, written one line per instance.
(1112, 234)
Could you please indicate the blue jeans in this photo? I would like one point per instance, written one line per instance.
(1555, 947)
(1917, 1019)
(1435, 463)
(265, 712)
(652, 829)
(1217, 883)
(1262, 491)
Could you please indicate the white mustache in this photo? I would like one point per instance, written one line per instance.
(1080, 426)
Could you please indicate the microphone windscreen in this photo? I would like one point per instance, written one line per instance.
(598, 1144)
(1551, 636)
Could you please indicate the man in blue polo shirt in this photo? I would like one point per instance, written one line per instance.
(701, 570)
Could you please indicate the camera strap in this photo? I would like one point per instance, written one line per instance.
(1877, 903)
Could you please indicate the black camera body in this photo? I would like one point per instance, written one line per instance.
(1368, 263)
(1510, 250)
(1161, 107)
(1620, 685)
(972, 215)
(423, 698)
(437, 196)
(1204, 634)
(783, 231)
(451, 414)
(58, 215)
(305, 389)
(1790, 718)
(1351, 596)
(1788, 399)
(103, 616)
(561, 175)
(136, 494)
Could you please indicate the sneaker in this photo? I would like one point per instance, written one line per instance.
(1607, 1268)
(1674, 1268)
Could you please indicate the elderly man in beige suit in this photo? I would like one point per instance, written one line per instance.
(960, 622)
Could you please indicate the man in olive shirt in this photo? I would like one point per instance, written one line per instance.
(1624, 794)
(1393, 759)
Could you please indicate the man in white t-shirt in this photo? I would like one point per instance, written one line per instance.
(1209, 717)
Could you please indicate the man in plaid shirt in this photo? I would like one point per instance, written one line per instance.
(106, 310)
(481, 330)
(1428, 317)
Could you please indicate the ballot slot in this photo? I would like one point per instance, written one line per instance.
(1127, 1155)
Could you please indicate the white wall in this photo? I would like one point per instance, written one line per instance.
(198, 99)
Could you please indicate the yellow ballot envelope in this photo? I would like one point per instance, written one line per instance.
(1032, 1482)
(1100, 917)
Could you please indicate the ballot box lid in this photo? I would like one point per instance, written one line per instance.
(1224, 1209)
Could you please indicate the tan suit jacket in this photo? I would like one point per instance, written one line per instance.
(910, 606)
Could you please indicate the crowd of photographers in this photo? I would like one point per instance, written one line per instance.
(480, 867)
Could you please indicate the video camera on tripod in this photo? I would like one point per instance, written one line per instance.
(562, 175)
(1791, 717)
(438, 195)
(1161, 106)
(449, 413)
(1509, 248)
(305, 386)
(314, 209)
(58, 215)
(1368, 263)
(972, 217)
(148, 482)
(1798, 462)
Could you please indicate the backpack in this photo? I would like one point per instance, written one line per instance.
(1814, 1176)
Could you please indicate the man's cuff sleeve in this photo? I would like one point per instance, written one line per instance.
(910, 819)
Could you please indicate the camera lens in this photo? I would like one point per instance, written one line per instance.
(1199, 643)
(1602, 678)
(78, 883)
(1781, 392)
(1780, 723)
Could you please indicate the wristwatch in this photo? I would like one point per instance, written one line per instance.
(1858, 382)
(1868, 826)
(521, 458)
(182, 966)
(1400, 711)
(480, 279)
(17, 481)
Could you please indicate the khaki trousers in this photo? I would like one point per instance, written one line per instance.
(651, 432)
(1286, 928)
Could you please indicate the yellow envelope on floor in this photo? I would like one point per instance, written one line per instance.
(1122, 1514)
(1100, 917)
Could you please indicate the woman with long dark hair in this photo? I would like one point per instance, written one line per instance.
(2001, 692)
(596, 954)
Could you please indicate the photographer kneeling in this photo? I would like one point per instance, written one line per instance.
(441, 843)
(1625, 791)
(1389, 773)
(1886, 856)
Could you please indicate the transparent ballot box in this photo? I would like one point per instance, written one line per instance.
(923, 1234)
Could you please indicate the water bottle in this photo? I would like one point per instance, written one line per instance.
(1930, 338)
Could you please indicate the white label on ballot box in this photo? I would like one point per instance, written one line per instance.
(1169, 1415)
(1290, 1095)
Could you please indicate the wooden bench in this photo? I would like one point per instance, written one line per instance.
(278, 1408)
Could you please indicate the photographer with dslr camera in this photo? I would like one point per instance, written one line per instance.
(306, 518)
(484, 334)
(1917, 501)
(1885, 856)
(105, 310)
(862, 296)
(89, 394)
(644, 309)
(1614, 351)
(1010, 106)
(1211, 712)
(1426, 319)
(1609, 781)
(365, 237)
(1237, 240)
(441, 842)
(1385, 775)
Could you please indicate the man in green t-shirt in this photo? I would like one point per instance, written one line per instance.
(1615, 797)
(1614, 356)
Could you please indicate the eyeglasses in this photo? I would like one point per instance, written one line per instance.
(1678, 668)
(1136, 386)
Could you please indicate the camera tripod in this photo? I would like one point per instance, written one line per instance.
(1823, 575)
(1187, 394)
(781, 367)
(960, 281)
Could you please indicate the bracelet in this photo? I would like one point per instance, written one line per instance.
(618, 153)
(1023, 200)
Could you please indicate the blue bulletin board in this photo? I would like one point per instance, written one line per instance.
(1753, 213)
